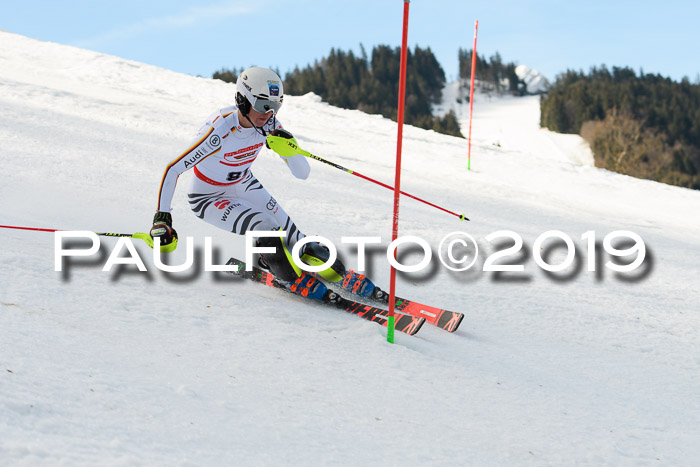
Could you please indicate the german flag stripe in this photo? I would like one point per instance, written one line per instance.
(182, 156)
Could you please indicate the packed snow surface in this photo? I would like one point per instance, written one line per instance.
(148, 368)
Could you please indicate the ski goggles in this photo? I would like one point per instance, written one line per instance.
(263, 106)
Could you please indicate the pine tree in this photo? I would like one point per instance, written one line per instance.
(643, 125)
(371, 84)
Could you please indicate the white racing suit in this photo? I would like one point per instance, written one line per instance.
(224, 192)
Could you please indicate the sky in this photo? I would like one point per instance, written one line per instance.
(199, 38)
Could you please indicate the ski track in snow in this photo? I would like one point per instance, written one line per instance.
(130, 368)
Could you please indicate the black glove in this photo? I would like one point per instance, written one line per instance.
(163, 228)
(282, 134)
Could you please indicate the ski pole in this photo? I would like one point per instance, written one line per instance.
(139, 235)
(288, 148)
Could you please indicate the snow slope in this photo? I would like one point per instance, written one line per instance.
(131, 368)
(455, 95)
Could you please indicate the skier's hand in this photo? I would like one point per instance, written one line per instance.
(283, 143)
(163, 228)
(279, 132)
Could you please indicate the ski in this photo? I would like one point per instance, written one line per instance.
(443, 319)
(405, 323)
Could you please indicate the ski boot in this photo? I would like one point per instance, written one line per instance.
(359, 285)
(308, 286)
(263, 265)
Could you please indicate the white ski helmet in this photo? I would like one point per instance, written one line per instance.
(260, 89)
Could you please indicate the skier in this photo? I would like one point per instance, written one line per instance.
(225, 193)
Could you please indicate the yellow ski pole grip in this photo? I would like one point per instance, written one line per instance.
(285, 147)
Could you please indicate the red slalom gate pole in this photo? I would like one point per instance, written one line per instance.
(471, 97)
(397, 183)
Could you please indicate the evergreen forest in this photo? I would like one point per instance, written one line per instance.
(371, 84)
(643, 125)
